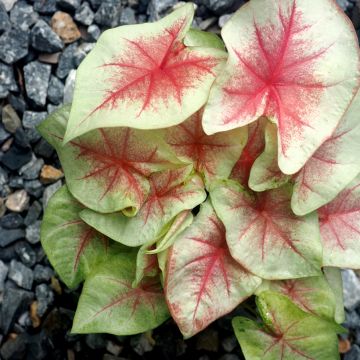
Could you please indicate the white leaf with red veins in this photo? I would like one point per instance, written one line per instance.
(261, 229)
(294, 61)
(203, 282)
(332, 167)
(340, 228)
(143, 76)
(213, 156)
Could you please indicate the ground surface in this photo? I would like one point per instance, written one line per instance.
(37, 75)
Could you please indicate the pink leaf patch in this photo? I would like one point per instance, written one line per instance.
(334, 165)
(260, 229)
(283, 65)
(203, 281)
(143, 76)
(340, 228)
(213, 156)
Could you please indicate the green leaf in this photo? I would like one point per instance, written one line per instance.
(195, 37)
(293, 61)
(265, 173)
(313, 294)
(143, 76)
(171, 192)
(288, 333)
(72, 246)
(261, 229)
(108, 303)
(107, 169)
(203, 281)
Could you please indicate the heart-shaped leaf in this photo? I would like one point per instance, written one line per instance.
(288, 333)
(72, 246)
(113, 165)
(108, 303)
(171, 192)
(203, 281)
(265, 173)
(146, 264)
(143, 76)
(195, 37)
(213, 156)
(292, 61)
(254, 147)
(340, 228)
(313, 294)
(332, 167)
(261, 229)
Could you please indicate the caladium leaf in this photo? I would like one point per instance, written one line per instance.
(213, 156)
(265, 173)
(171, 192)
(313, 294)
(143, 76)
(254, 147)
(203, 281)
(282, 64)
(261, 229)
(146, 264)
(113, 165)
(288, 333)
(72, 246)
(195, 37)
(334, 279)
(340, 228)
(332, 167)
(108, 303)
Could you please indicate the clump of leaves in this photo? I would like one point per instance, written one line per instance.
(197, 177)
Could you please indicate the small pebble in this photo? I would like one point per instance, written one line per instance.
(84, 14)
(33, 213)
(44, 39)
(10, 119)
(108, 14)
(21, 275)
(32, 232)
(50, 174)
(32, 169)
(17, 201)
(70, 5)
(11, 221)
(14, 45)
(64, 26)
(42, 273)
(44, 297)
(351, 289)
(3, 274)
(69, 87)
(25, 253)
(23, 16)
(93, 32)
(353, 354)
(55, 90)
(8, 4)
(7, 80)
(50, 191)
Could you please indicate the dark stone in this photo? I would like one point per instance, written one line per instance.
(95, 341)
(31, 170)
(21, 275)
(33, 213)
(3, 274)
(44, 149)
(94, 32)
(4, 20)
(15, 302)
(220, 7)
(47, 7)
(108, 13)
(16, 182)
(353, 354)
(21, 138)
(42, 273)
(32, 233)
(14, 349)
(26, 253)
(95, 4)
(44, 39)
(352, 320)
(55, 90)
(23, 15)
(34, 188)
(4, 177)
(11, 221)
(84, 14)
(17, 102)
(37, 77)
(81, 52)
(66, 61)
(158, 8)
(16, 157)
(7, 254)
(71, 5)
(8, 236)
(38, 346)
(14, 45)
(30, 120)
(4, 135)
(127, 16)
(44, 297)
(7, 80)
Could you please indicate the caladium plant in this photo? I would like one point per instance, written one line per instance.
(198, 177)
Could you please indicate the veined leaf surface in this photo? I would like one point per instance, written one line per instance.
(292, 61)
